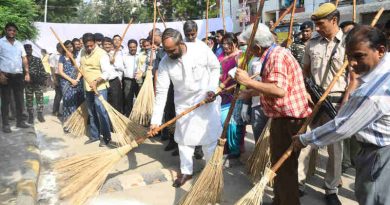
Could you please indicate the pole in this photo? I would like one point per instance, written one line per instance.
(207, 20)
(223, 15)
(289, 38)
(45, 18)
(354, 11)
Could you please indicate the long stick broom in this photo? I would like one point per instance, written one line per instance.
(77, 121)
(143, 105)
(125, 129)
(255, 195)
(260, 157)
(290, 31)
(82, 176)
(281, 17)
(208, 187)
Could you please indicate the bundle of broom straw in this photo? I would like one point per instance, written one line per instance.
(208, 186)
(144, 103)
(259, 160)
(77, 121)
(255, 195)
(75, 173)
(125, 129)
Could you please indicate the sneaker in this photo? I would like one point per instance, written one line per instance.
(332, 199)
(175, 153)
(92, 140)
(22, 125)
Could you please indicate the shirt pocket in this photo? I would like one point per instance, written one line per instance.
(198, 71)
(317, 63)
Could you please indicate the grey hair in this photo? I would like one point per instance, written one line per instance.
(172, 33)
(190, 25)
(263, 36)
(157, 32)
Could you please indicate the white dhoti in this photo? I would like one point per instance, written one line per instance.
(186, 153)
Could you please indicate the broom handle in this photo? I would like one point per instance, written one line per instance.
(288, 152)
(242, 66)
(123, 36)
(290, 31)
(377, 16)
(69, 54)
(153, 32)
(162, 18)
(354, 11)
(281, 17)
(336, 3)
(207, 20)
(166, 124)
(223, 16)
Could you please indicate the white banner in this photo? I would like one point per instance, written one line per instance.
(46, 39)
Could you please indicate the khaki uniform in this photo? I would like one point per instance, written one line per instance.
(317, 54)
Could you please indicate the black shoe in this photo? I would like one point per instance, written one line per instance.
(91, 141)
(102, 144)
(30, 118)
(332, 199)
(301, 193)
(40, 117)
(198, 154)
(22, 125)
(171, 146)
(6, 129)
(175, 153)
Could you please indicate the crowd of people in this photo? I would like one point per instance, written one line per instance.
(187, 70)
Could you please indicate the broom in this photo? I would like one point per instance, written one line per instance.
(77, 121)
(82, 176)
(260, 157)
(144, 103)
(207, 20)
(281, 17)
(255, 195)
(208, 187)
(290, 31)
(125, 129)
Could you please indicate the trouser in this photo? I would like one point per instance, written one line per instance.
(115, 94)
(373, 175)
(30, 90)
(58, 95)
(99, 122)
(14, 84)
(130, 90)
(351, 148)
(333, 166)
(286, 180)
(169, 111)
(258, 121)
(186, 152)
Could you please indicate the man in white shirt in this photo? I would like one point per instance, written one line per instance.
(193, 70)
(53, 62)
(14, 71)
(116, 68)
(129, 83)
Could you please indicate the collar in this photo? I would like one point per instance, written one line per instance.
(379, 69)
(339, 36)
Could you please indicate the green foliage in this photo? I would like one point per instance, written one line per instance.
(22, 13)
(58, 11)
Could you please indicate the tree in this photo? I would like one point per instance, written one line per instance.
(58, 11)
(22, 13)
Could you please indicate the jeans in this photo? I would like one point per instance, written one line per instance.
(99, 122)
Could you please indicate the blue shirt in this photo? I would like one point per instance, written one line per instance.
(11, 56)
(366, 114)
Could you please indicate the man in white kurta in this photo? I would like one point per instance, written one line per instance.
(194, 71)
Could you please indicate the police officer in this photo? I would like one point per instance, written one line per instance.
(324, 56)
(35, 86)
(298, 47)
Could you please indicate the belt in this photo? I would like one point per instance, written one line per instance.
(126, 78)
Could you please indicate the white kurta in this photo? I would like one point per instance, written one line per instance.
(193, 75)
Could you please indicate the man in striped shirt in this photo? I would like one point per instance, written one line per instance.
(366, 115)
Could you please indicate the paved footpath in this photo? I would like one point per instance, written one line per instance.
(145, 175)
